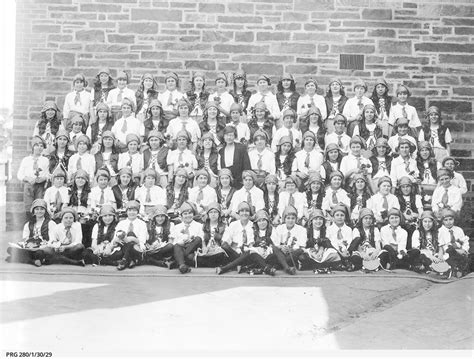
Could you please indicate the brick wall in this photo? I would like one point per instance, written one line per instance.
(427, 45)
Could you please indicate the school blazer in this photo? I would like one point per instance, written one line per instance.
(241, 163)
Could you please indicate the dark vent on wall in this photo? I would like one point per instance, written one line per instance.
(351, 62)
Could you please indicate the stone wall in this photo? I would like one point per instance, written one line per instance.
(427, 45)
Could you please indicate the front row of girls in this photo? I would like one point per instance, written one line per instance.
(251, 241)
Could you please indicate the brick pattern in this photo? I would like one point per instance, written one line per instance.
(427, 45)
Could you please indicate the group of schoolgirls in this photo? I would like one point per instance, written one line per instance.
(307, 168)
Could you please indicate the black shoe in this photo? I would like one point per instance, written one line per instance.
(269, 270)
(132, 264)
(122, 265)
(183, 269)
(8, 259)
(291, 270)
(171, 264)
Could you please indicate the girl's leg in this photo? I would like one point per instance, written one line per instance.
(238, 261)
(305, 262)
(231, 253)
(282, 260)
(74, 252)
(89, 256)
(356, 261)
(19, 255)
(113, 259)
(126, 259)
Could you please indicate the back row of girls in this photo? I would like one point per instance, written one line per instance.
(303, 154)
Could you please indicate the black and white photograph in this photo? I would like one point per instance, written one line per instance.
(236, 178)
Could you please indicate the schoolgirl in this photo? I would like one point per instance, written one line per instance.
(382, 102)
(78, 129)
(404, 110)
(207, 157)
(410, 204)
(335, 100)
(425, 239)
(354, 161)
(104, 249)
(285, 156)
(61, 153)
(65, 243)
(239, 90)
(170, 97)
(271, 196)
(77, 102)
(313, 122)
(150, 194)
(116, 96)
(401, 129)
(147, 91)
(155, 155)
(289, 119)
(132, 158)
(311, 99)
(177, 193)
(319, 254)
(290, 196)
(289, 239)
(184, 123)
(260, 120)
(404, 164)
(458, 180)
(211, 254)
(360, 192)
(454, 243)
(249, 193)
(221, 96)
(446, 195)
(369, 129)
(35, 235)
(381, 161)
(154, 119)
(187, 237)
(427, 164)
(394, 241)
(102, 193)
(159, 246)
(262, 158)
(225, 191)
(57, 195)
(102, 85)
(366, 243)
(79, 190)
(382, 201)
(339, 136)
(286, 96)
(124, 190)
(181, 157)
(339, 233)
(202, 195)
(355, 105)
(103, 123)
(197, 96)
(131, 233)
(315, 192)
(437, 134)
(335, 193)
(236, 116)
(332, 161)
(211, 123)
(34, 173)
(108, 156)
(127, 125)
(310, 158)
(257, 254)
(265, 95)
(48, 124)
(237, 238)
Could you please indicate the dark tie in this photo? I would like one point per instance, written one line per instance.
(186, 229)
(180, 157)
(183, 124)
(291, 200)
(200, 196)
(102, 197)
(288, 236)
(120, 96)
(170, 99)
(407, 166)
(130, 227)
(249, 198)
(58, 201)
(358, 162)
(360, 104)
(259, 162)
(290, 134)
(339, 141)
(339, 234)
(244, 237)
(77, 99)
(385, 203)
(445, 198)
(148, 195)
(124, 126)
(394, 234)
(306, 161)
(334, 197)
(130, 160)
(404, 112)
(79, 164)
(68, 235)
(451, 235)
(35, 164)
